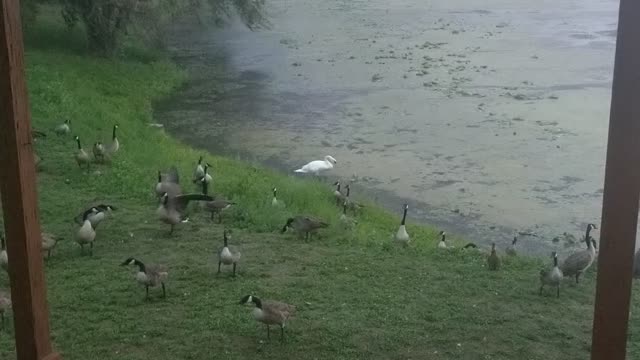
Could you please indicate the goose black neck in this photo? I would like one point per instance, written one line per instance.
(587, 236)
(257, 301)
(3, 245)
(79, 146)
(200, 160)
(515, 239)
(344, 208)
(348, 190)
(337, 186)
(226, 240)
(275, 192)
(114, 132)
(205, 187)
(404, 217)
(443, 237)
(286, 226)
(140, 265)
(555, 261)
(159, 176)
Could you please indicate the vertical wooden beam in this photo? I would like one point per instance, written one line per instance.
(19, 198)
(621, 194)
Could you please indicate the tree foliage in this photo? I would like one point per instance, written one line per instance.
(106, 21)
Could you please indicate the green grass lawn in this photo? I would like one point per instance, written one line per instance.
(358, 296)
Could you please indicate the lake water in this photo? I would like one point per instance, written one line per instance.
(489, 118)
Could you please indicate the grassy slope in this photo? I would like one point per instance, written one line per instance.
(358, 297)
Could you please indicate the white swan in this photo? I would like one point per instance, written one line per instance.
(317, 166)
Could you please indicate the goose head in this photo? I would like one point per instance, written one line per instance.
(129, 261)
(165, 198)
(442, 235)
(275, 192)
(330, 159)
(286, 226)
(249, 299)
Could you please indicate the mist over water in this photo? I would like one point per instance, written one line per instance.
(490, 119)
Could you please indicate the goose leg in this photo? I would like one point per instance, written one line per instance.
(577, 278)
(91, 249)
(171, 231)
(164, 291)
(268, 332)
(2, 322)
(219, 264)
(281, 332)
(558, 291)
(541, 286)
(48, 254)
(220, 217)
(234, 269)
(81, 249)
(212, 215)
(147, 290)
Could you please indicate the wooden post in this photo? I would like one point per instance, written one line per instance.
(19, 198)
(621, 194)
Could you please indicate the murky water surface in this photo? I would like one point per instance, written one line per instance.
(489, 117)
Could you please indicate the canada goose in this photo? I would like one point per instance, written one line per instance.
(114, 146)
(49, 242)
(402, 236)
(149, 276)
(578, 262)
(511, 249)
(228, 255)
(304, 225)
(354, 206)
(217, 204)
(86, 233)
(345, 219)
(340, 197)
(442, 244)
(172, 208)
(95, 214)
(4, 258)
(551, 277)
(5, 305)
(270, 313)
(274, 201)
(205, 176)
(81, 156)
(98, 152)
(64, 128)
(493, 260)
(199, 171)
(170, 184)
(317, 166)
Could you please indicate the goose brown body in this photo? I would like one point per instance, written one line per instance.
(304, 225)
(578, 262)
(270, 312)
(149, 275)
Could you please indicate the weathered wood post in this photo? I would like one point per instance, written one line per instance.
(19, 197)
